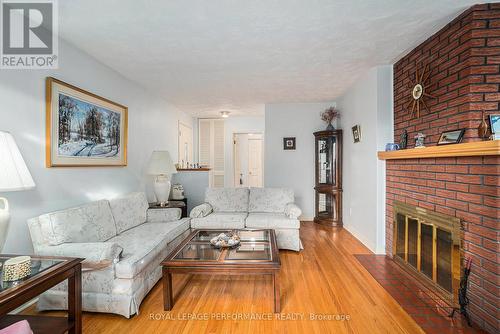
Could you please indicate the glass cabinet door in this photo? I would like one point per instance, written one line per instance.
(326, 205)
(326, 160)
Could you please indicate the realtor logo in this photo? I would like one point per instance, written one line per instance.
(29, 34)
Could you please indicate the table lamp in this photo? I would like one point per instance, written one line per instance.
(14, 176)
(162, 167)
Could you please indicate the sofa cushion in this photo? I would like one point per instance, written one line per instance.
(143, 243)
(270, 220)
(129, 211)
(220, 220)
(227, 199)
(269, 199)
(92, 222)
(163, 215)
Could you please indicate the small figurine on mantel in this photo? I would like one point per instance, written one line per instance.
(419, 140)
(403, 143)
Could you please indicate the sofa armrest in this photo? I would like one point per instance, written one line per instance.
(201, 210)
(98, 255)
(163, 215)
(292, 211)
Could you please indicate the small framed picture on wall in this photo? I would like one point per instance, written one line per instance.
(289, 143)
(356, 133)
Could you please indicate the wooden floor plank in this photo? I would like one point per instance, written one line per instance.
(323, 279)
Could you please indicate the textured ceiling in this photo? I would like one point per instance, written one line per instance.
(210, 55)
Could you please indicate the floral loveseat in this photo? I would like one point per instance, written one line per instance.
(123, 243)
(256, 208)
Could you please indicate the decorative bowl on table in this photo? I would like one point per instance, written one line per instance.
(225, 240)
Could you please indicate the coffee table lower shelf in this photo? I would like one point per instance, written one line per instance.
(168, 293)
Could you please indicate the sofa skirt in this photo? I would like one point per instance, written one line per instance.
(288, 239)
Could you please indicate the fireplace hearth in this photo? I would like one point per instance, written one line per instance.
(427, 245)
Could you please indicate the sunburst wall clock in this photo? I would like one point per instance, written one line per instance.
(418, 91)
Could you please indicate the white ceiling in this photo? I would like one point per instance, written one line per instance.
(205, 56)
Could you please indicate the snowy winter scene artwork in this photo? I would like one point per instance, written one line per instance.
(86, 130)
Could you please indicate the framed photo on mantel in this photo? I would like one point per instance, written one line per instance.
(451, 137)
(83, 129)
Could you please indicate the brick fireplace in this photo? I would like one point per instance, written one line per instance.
(464, 60)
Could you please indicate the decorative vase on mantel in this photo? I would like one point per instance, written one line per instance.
(483, 128)
(328, 116)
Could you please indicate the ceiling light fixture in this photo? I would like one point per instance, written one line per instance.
(225, 114)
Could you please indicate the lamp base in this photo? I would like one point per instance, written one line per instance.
(162, 189)
(4, 221)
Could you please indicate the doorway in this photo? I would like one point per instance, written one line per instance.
(248, 159)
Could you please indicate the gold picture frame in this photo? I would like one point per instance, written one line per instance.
(83, 129)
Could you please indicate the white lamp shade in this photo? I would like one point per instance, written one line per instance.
(161, 164)
(14, 174)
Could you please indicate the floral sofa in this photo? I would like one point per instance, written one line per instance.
(123, 243)
(256, 208)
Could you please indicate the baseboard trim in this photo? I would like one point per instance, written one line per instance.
(361, 238)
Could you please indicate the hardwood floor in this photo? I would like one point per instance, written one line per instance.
(324, 279)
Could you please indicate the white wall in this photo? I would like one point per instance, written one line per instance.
(152, 125)
(367, 103)
(293, 168)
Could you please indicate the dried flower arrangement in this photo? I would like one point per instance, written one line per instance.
(329, 115)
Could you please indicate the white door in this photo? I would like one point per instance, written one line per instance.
(254, 162)
(241, 160)
(185, 144)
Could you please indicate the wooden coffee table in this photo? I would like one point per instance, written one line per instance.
(257, 254)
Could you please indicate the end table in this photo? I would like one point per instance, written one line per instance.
(46, 272)
(181, 204)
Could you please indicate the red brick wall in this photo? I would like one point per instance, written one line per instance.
(464, 58)
(464, 63)
(467, 188)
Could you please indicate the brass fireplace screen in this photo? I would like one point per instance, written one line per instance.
(428, 244)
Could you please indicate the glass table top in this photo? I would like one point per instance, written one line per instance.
(250, 251)
(254, 245)
(201, 252)
(37, 266)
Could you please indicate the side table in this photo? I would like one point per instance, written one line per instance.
(181, 204)
(46, 272)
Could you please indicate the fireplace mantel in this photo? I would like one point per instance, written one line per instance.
(482, 148)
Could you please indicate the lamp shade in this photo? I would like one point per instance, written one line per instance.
(14, 174)
(161, 164)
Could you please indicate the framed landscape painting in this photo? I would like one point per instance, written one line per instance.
(83, 129)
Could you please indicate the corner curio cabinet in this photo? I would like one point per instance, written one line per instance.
(328, 207)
